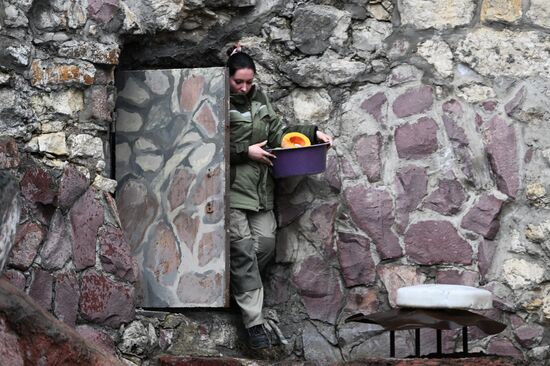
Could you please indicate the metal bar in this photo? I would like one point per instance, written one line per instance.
(465, 340)
(439, 348)
(417, 342)
(392, 343)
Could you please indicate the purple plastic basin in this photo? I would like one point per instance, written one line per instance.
(300, 160)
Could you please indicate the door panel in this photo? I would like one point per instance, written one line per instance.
(170, 165)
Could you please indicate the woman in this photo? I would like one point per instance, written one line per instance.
(254, 127)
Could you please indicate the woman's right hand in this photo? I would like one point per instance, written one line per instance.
(257, 153)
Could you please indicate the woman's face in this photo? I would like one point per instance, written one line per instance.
(241, 81)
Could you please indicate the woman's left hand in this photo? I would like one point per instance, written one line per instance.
(321, 136)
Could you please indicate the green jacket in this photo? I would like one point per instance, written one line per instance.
(252, 121)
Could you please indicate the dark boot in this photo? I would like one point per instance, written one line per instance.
(257, 337)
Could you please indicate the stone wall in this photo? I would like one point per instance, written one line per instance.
(439, 173)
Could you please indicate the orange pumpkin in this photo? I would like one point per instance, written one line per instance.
(294, 139)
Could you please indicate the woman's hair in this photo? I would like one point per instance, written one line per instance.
(239, 60)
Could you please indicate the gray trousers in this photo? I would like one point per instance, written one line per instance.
(252, 245)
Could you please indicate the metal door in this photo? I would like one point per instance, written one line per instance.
(171, 159)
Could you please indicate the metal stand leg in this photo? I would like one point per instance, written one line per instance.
(438, 337)
(465, 340)
(417, 342)
(392, 343)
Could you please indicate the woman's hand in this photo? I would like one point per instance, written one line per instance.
(257, 153)
(321, 136)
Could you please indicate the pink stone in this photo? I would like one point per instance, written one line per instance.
(115, 253)
(102, 10)
(211, 247)
(73, 185)
(38, 186)
(99, 106)
(372, 211)
(411, 185)
(191, 93)
(162, 257)
(485, 256)
(503, 347)
(456, 277)
(318, 285)
(501, 145)
(516, 101)
(435, 242)
(489, 105)
(367, 150)
(355, 259)
(105, 301)
(373, 106)
(362, 300)
(453, 107)
(27, 240)
(483, 217)
(87, 215)
(187, 228)
(455, 133)
(67, 296)
(206, 120)
(416, 140)
(9, 155)
(56, 250)
(179, 187)
(134, 197)
(332, 174)
(323, 219)
(199, 288)
(413, 101)
(41, 288)
(11, 353)
(448, 198)
(16, 278)
(97, 337)
(529, 336)
(395, 276)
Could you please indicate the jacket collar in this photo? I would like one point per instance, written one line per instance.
(244, 98)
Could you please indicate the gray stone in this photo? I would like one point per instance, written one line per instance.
(311, 106)
(368, 153)
(319, 286)
(456, 277)
(402, 74)
(56, 250)
(376, 106)
(501, 144)
(447, 198)
(53, 143)
(97, 53)
(485, 256)
(135, 339)
(436, 14)
(475, 92)
(503, 347)
(313, 26)
(438, 53)
(539, 13)
(368, 37)
(436, 242)
(483, 217)
(416, 140)
(520, 54)
(322, 71)
(372, 211)
(9, 216)
(355, 260)
(413, 101)
(9, 154)
(85, 146)
(323, 219)
(317, 348)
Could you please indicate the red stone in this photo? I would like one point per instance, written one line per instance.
(362, 300)
(27, 240)
(455, 133)
(73, 185)
(115, 254)
(323, 219)
(455, 277)
(435, 242)
(99, 104)
(105, 301)
(9, 155)
(206, 120)
(98, 338)
(529, 336)
(503, 347)
(453, 107)
(372, 211)
(200, 288)
(87, 215)
(483, 217)
(51, 73)
(67, 296)
(367, 150)
(319, 287)
(11, 353)
(485, 256)
(187, 228)
(413, 101)
(516, 101)
(179, 187)
(38, 186)
(41, 288)
(355, 259)
(416, 140)
(102, 10)
(16, 278)
(373, 106)
(332, 174)
(211, 247)
(162, 257)
(411, 186)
